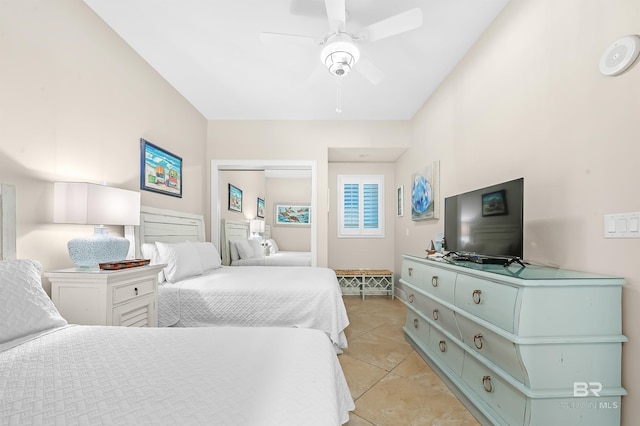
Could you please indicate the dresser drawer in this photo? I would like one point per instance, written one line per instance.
(417, 327)
(435, 311)
(488, 300)
(439, 282)
(492, 346)
(444, 349)
(508, 402)
(122, 293)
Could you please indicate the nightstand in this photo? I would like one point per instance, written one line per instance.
(126, 297)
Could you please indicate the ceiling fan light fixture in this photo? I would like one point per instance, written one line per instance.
(339, 57)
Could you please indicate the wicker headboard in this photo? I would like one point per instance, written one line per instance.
(232, 230)
(7, 221)
(167, 226)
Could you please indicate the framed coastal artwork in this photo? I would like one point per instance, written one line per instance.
(494, 203)
(260, 208)
(235, 198)
(292, 214)
(425, 193)
(160, 170)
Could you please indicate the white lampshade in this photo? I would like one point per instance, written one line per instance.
(91, 204)
(256, 226)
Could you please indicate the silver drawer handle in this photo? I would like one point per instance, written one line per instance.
(477, 341)
(436, 314)
(411, 298)
(135, 290)
(416, 323)
(410, 271)
(486, 383)
(434, 281)
(443, 346)
(476, 296)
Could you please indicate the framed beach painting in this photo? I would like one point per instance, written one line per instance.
(260, 208)
(235, 199)
(292, 214)
(160, 170)
(425, 193)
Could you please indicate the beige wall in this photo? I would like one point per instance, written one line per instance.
(362, 253)
(74, 102)
(529, 101)
(289, 238)
(252, 184)
(302, 140)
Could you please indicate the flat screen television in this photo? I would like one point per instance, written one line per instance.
(487, 221)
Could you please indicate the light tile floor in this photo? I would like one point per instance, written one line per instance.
(389, 382)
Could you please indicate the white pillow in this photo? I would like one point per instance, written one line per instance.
(244, 249)
(209, 256)
(182, 259)
(233, 249)
(24, 306)
(150, 251)
(256, 246)
(273, 246)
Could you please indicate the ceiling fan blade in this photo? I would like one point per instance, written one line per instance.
(396, 24)
(369, 71)
(336, 13)
(289, 39)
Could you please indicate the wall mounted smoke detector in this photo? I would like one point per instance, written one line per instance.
(620, 56)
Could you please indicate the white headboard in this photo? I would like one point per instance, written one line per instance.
(7, 221)
(232, 230)
(167, 226)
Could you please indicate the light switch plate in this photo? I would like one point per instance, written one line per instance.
(622, 225)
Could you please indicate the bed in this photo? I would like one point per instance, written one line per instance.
(207, 293)
(55, 373)
(235, 232)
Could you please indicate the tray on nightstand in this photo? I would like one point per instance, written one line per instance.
(124, 264)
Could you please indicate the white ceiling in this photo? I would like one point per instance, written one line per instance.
(210, 51)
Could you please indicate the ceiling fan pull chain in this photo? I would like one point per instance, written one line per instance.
(339, 96)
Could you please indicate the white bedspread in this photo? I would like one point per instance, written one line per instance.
(93, 375)
(281, 258)
(257, 296)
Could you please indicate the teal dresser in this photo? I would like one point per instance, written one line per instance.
(519, 346)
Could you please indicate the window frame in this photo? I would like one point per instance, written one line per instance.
(361, 231)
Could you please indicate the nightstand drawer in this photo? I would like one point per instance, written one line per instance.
(131, 291)
(139, 313)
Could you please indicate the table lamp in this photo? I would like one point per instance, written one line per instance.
(92, 204)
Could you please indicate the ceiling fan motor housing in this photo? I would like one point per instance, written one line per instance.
(340, 56)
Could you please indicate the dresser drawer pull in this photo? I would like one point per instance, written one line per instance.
(135, 290)
(443, 346)
(436, 314)
(434, 281)
(410, 271)
(477, 341)
(411, 298)
(416, 323)
(476, 297)
(486, 383)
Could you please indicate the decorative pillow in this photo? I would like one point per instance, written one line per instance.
(209, 256)
(150, 251)
(256, 246)
(273, 246)
(233, 249)
(182, 259)
(244, 249)
(24, 306)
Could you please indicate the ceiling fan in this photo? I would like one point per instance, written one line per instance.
(340, 53)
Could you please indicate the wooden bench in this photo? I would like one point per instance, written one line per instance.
(366, 282)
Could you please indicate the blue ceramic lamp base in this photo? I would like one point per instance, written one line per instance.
(89, 252)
